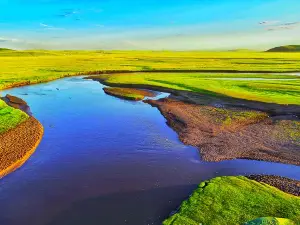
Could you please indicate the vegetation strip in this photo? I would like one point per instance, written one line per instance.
(267, 88)
(128, 93)
(235, 200)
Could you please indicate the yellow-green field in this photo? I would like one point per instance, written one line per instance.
(29, 67)
(21, 67)
(281, 89)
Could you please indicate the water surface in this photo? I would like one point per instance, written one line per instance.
(105, 161)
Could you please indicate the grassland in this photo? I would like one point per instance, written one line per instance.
(10, 117)
(281, 89)
(27, 67)
(235, 200)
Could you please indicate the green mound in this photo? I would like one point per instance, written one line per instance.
(5, 49)
(235, 200)
(287, 48)
(270, 221)
(10, 117)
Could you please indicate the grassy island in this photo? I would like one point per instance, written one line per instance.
(235, 200)
(128, 93)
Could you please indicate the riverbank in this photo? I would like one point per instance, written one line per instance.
(239, 88)
(282, 183)
(230, 133)
(20, 136)
(225, 128)
(231, 200)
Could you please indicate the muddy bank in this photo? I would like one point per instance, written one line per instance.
(129, 93)
(231, 133)
(282, 183)
(18, 144)
(17, 103)
(211, 99)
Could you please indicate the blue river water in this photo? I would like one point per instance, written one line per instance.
(106, 161)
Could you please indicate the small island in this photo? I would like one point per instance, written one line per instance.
(128, 93)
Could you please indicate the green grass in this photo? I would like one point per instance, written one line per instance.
(270, 221)
(281, 89)
(34, 66)
(238, 117)
(126, 93)
(235, 200)
(10, 117)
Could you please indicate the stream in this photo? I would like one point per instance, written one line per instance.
(106, 161)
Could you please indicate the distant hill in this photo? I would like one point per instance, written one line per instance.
(286, 48)
(5, 49)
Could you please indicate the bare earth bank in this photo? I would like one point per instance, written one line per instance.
(230, 133)
(19, 143)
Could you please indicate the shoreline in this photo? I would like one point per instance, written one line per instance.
(19, 162)
(267, 139)
(14, 153)
(284, 184)
(19, 143)
(220, 137)
(211, 98)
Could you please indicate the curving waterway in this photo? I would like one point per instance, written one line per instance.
(105, 161)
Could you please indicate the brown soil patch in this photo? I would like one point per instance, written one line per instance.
(18, 144)
(129, 93)
(222, 134)
(16, 102)
(285, 184)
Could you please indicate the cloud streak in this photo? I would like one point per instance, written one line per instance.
(49, 27)
(277, 25)
(269, 22)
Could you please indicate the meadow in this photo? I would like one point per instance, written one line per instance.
(34, 66)
(281, 89)
(235, 200)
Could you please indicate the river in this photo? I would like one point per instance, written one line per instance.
(106, 161)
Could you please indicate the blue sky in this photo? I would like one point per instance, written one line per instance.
(149, 24)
